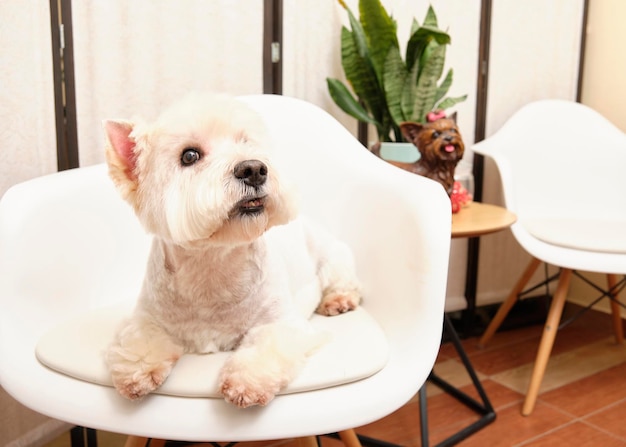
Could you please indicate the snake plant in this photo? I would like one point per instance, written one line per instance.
(388, 89)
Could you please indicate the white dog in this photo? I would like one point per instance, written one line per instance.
(202, 181)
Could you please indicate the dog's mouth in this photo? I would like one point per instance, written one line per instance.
(449, 151)
(249, 206)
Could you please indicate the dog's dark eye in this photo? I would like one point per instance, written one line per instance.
(190, 156)
(436, 134)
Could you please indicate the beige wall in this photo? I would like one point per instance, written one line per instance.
(534, 54)
(604, 89)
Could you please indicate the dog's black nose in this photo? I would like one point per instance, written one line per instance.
(251, 172)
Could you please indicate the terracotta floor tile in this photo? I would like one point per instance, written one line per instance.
(403, 426)
(454, 373)
(449, 351)
(567, 367)
(398, 428)
(504, 338)
(577, 434)
(511, 428)
(590, 394)
(506, 357)
(610, 419)
(499, 396)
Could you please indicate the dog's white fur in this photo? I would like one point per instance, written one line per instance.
(218, 278)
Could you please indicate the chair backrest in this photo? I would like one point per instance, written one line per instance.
(353, 193)
(560, 159)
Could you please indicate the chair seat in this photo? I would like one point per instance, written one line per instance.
(607, 236)
(358, 349)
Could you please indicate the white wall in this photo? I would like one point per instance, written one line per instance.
(603, 90)
(27, 129)
(605, 65)
(134, 58)
(534, 54)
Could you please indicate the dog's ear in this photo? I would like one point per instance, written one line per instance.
(118, 133)
(453, 117)
(410, 130)
(121, 156)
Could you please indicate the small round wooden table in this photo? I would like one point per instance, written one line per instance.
(473, 220)
(477, 219)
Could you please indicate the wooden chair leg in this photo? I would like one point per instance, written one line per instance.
(349, 438)
(506, 306)
(139, 441)
(618, 327)
(309, 441)
(547, 341)
(136, 441)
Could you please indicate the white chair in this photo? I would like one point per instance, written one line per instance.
(69, 245)
(561, 165)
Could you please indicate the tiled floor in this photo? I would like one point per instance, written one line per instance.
(582, 400)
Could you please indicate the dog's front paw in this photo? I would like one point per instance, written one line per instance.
(140, 358)
(338, 302)
(135, 384)
(242, 393)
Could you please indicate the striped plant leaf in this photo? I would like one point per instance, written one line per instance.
(450, 102)
(443, 88)
(431, 17)
(427, 83)
(408, 93)
(394, 79)
(383, 89)
(361, 76)
(381, 31)
(344, 99)
(420, 38)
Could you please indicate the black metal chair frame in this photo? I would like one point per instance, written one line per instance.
(483, 408)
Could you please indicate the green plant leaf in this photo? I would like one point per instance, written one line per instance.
(361, 76)
(431, 17)
(407, 101)
(414, 26)
(449, 102)
(358, 34)
(381, 32)
(346, 102)
(427, 83)
(394, 79)
(420, 39)
(443, 88)
(382, 88)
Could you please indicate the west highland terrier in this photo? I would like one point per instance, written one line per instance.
(231, 266)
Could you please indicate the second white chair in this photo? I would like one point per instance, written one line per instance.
(562, 167)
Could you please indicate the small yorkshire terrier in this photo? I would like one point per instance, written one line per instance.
(232, 267)
(440, 145)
